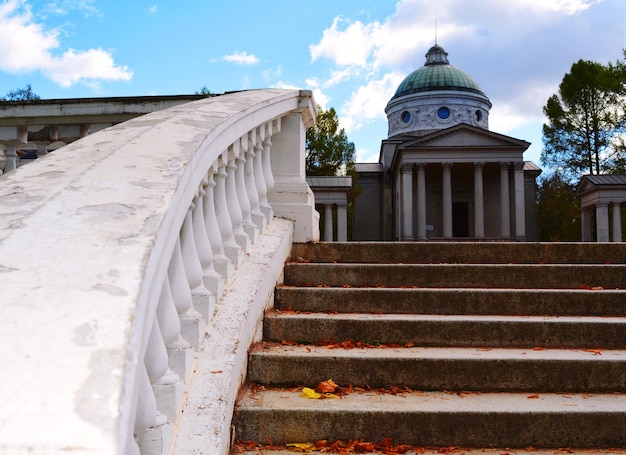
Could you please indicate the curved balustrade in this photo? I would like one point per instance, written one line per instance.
(114, 253)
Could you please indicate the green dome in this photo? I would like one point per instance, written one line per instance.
(437, 74)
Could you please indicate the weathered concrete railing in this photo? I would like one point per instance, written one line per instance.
(116, 253)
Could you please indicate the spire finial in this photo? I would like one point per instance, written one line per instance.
(435, 28)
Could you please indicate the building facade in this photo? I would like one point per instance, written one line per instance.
(442, 174)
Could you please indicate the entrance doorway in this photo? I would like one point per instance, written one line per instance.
(460, 219)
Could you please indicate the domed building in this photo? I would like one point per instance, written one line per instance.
(441, 173)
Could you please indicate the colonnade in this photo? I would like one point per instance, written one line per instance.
(407, 202)
(342, 222)
(602, 222)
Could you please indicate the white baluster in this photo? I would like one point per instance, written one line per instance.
(179, 351)
(3, 161)
(232, 200)
(255, 209)
(152, 431)
(242, 195)
(267, 174)
(203, 300)
(222, 264)
(191, 322)
(270, 128)
(259, 176)
(167, 385)
(212, 280)
(231, 248)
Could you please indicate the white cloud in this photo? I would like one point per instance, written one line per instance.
(368, 102)
(64, 7)
(152, 9)
(26, 46)
(352, 46)
(271, 74)
(517, 51)
(241, 58)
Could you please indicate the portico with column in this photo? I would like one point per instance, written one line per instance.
(443, 173)
(435, 195)
(601, 200)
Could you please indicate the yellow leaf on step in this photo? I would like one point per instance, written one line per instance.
(304, 446)
(310, 393)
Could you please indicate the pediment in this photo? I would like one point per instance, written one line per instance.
(465, 137)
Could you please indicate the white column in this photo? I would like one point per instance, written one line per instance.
(42, 148)
(602, 222)
(421, 201)
(407, 202)
(617, 222)
(447, 200)
(11, 154)
(520, 209)
(328, 223)
(479, 210)
(342, 223)
(505, 208)
(585, 224)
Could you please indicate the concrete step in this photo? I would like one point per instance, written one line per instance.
(516, 276)
(435, 418)
(449, 330)
(461, 252)
(480, 345)
(459, 369)
(564, 302)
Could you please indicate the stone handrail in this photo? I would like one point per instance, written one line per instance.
(113, 253)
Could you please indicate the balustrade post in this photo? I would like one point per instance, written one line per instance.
(191, 322)
(179, 351)
(231, 248)
(259, 176)
(267, 167)
(291, 197)
(232, 199)
(212, 280)
(167, 385)
(258, 218)
(152, 431)
(3, 160)
(222, 264)
(203, 300)
(242, 194)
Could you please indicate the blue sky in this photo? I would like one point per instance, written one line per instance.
(351, 53)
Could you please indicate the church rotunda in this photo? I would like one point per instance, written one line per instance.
(442, 174)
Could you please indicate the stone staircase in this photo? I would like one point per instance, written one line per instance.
(479, 345)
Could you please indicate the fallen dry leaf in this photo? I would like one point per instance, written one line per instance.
(310, 393)
(327, 387)
(304, 446)
(533, 396)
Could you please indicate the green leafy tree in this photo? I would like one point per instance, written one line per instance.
(558, 213)
(328, 150)
(330, 153)
(204, 91)
(584, 119)
(22, 94)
